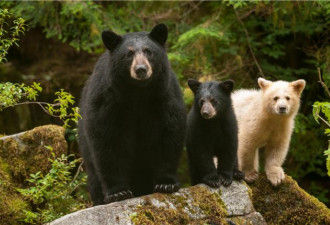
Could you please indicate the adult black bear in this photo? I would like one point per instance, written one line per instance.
(212, 131)
(133, 119)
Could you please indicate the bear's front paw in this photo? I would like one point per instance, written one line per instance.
(250, 177)
(226, 181)
(119, 196)
(166, 188)
(212, 180)
(275, 176)
(238, 175)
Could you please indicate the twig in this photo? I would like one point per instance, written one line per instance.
(248, 41)
(41, 105)
(76, 175)
(320, 117)
(78, 171)
(322, 83)
(194, 7)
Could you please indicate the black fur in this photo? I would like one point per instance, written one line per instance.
(217, 136)
(132, 131)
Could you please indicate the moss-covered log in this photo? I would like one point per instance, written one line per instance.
(21, 155)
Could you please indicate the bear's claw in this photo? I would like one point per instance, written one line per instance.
(251, 177)
(212, 181)
(213, 184)
(225, 181)
(166, 188)
(118, 196)
(238, 175)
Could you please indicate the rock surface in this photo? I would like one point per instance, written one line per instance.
(195, 205)
(20, 155)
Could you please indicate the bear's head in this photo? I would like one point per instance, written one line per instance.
(281, 97)
(211, 97)
(138, 56)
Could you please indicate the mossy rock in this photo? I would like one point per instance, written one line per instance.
(26, 152)
(20, 155)
(197, 205)
(287, 204)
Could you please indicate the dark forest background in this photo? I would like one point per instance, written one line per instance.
(207, 40)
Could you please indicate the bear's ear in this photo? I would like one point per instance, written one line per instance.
(194, 84)
(111, 39)
(159, 33)
(298, 85)
(263, 83)
(227, 85)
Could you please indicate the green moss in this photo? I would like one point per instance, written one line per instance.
(250, 193)
(239, 221)
(210, 203)
(288, 203)
(179, 206)
(21, 153)
(149, 214)
(12, 204)
(19, 157)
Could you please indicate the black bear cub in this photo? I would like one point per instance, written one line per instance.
(133, 119)
(212, 132)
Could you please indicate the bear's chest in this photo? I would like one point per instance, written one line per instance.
(142, 122)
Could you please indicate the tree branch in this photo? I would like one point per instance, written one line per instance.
(248, 41)
(321, 118)
(38, 103)
(322, 83)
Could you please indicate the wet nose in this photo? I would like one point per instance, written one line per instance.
(282, 109)
(141, 71)
(205, 114)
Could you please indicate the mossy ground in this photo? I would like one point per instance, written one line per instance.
(19, 157)
(287, 204)
(210, 207)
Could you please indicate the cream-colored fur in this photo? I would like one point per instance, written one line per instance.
(266, 119)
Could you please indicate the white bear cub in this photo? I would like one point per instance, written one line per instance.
(266, 119)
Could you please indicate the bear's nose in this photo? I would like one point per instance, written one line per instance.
(282, 109)
(141, 71)
(205, 114)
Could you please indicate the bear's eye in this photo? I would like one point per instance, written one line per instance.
(287, 98)
(213, 101)
(147, 52)
(276, 98)
(201, 101)
(130, 54)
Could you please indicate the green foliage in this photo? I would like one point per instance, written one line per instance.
(52, 194)
(78, 23)
(324, 107)
(11, 94)
(61, 108)
(9, 33)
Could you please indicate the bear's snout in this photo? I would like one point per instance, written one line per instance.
(282, 109)
(140, 69)
(208, 111)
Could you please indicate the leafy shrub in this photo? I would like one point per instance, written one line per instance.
(9, 35)
(52, 195)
